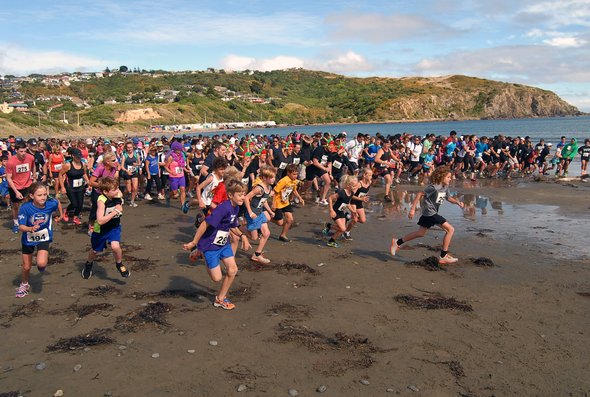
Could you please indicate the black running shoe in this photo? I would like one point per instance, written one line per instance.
(87, 271)
(123, 270)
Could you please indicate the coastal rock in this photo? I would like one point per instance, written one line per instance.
(293, 392)
(322, 388)
(241, 388)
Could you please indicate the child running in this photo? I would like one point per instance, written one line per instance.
(212, 238)
(107, 228)
(359, 198)
(284, 190)
(258, 211)
(341, 208)
(35, 224)
(433, 195)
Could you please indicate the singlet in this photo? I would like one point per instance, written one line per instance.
(360, 193)
(257, 202)
(109, 206)
(130, 164)
(340, 206)
(57, 161)
(209, 190)
(75, 177)
(219, 223)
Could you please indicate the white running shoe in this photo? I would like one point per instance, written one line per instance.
(448, 259)
(147, 197)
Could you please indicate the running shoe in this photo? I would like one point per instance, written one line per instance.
(133, 204)
(393, 247)
(324, 202)
(317, 200)
(284, 239)
(147, 197)
(15, 229)
(66, 217)
(447, 259)
(260, 259)
(87, 271)
(123, 270)
(76, 220)
(333, 244)
(387, 198)
(22, 290)
(347, 236)
(326, 229)
(185, 207)
(224, 304)
(161, 196)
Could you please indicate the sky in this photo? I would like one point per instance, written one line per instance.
(540, 43)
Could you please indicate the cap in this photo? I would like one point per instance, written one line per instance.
(75, 152)
(549, 144)
(199, 146)
(32, 141)
(89, 141)
(135, 140)
(159, 143)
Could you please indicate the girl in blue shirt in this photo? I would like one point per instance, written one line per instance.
(35, 224)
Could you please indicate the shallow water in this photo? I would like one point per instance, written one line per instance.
(542, 227)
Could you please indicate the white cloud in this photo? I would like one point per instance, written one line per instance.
(21, 61)
(559, 13)
(565, 42)
(349, 62)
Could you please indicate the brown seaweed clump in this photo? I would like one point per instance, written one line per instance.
(85, 310)
(431, 264)
(26, 310)
(103, 290)
(154, 313)
(435, 302)
(283, 268)
(483, 262)
(94, 338)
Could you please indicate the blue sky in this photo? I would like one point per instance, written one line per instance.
(539, 43)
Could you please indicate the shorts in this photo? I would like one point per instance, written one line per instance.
(99, 241)
(280, 212)
(414, 164)
(341, 215)
(429, 221)
(212, 258)
(55, 174)
(310, 173)
(4, 189)
(13, 198)
(127, 177)
(29, 249)
(256, 223)
(176, 183)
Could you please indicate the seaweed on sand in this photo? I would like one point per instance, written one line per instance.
(483, 262)
(290, 310)
(11, 394)
(57, 256)
(244, 293)
(85, 310)
(94, 338)
(283, 268)
(26, 310)
(103, 290)
(167, 293)
(433, 303)
(431, 264)
(154, 313)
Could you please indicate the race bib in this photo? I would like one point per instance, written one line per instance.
(282, 166)
(337, 164)
(296, 160)
(131, 169)
(221, 238)
(78, 182)
(261, 202)
(441, 196)
(343, 207)
(108, 210)
(362, 194)
(245, 180)
(38, 237)
(178, 170)
(21, 168)
(286, 193)
(58, 167)
(324, 160)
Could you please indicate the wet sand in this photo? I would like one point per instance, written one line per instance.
(317, 315)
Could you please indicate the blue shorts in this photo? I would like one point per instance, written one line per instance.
(99, 241)
(212, 258)
(3, 189)
(256, 223)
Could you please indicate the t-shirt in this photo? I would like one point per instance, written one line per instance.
(219, 222)
(101, 171)
(30, 215)
(21, 171)
(584, 151)
(434, 195)
(109, 206)
(152, 162)
(283, 190)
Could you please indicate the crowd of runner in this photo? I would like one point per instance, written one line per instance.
(238, 186)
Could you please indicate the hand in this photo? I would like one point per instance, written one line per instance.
(18, 195)
(58, 218)
(63, 190)
(461, 204)
(34, 228)
(365, 199)
(119, 207)
(252, 215)
(411, 214)
(302, 202)
(332, 214)
(188, 246)
(245, 244)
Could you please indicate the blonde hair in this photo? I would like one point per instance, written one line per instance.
(231, 174)
(267, 171)
(348, 181)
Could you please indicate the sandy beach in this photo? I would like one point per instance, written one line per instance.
(351, 321)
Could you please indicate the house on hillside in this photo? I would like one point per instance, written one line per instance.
(19, 106)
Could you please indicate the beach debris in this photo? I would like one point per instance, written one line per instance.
(94, 338)
(584, 294)
(213, 343)
(40, 366)
(153, 313)
(431, 264)
(58, 393)
(456, 369)
(244, 293)
(365, 382)
(321, 388)
(292, 311)
(293, 392)
(77, 367)
(11, 394)
(191, 351)
(321, 264)
(433, 302)
(103, 290)
(168, 293)
(84, 310)
(389, 390)
(156, 355)
(57, 256)
(241, 388)
(483, 262)
(283, 268)
(413, 388)
(26, 310)
(108, 394)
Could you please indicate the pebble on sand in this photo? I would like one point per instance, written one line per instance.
(241, 388)
(58, 393)
(293, 392)
(413, 388)
(77, 367)
(155, 355)
(40, 366)
(213, 342)
(322, 388)
(365, 382)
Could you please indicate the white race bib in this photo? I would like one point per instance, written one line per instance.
(286, 193)
(58, 167)
(441, 196)
(221, 238)
(296, 160)
(78, 182)
(282, 166)
(23, 168)
(261, 202)
(324, 160)
(343, 207)
(337, 164)
(178, 170)
(131, 169)
(38, 237)
(245, 180)
(362, 194)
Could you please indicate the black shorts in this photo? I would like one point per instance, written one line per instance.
(280, 212)
(55, 174)
(13, 199)
(29, 249)
(429, 221)
(127, 177)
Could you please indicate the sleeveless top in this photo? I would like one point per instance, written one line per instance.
(75, 177)
(257, 202)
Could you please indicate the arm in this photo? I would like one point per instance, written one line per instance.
(331, 199)
(245, 243)
(198, 234)
(415, 203)
(62, 176)
(101, 218)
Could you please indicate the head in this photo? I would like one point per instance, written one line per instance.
(109, 187)
(268, 173)
(38, 193)
(219, 165)
(292, 171)
(349, 182)
(231, 174)
(109, 159)
(21, 150)
(367, 174)
(441, 176)
(236, 191)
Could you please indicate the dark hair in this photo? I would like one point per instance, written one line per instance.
(219, 163)
(291, 168)
(20, 145)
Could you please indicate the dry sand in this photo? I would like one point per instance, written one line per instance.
(329, 318)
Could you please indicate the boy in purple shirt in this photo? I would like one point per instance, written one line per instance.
(213, 240)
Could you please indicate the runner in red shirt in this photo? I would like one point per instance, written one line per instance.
(20, 171)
